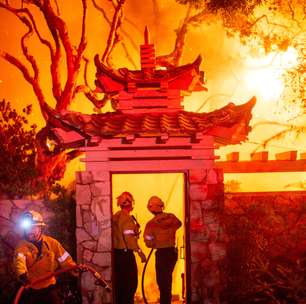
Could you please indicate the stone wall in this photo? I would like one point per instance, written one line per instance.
(207, 237)
(93, 232)
(207, 240)
(9, 211)
(275, 220)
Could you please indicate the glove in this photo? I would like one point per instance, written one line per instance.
(83, 268)
(23, 278)
(142, 256)
(76, 272)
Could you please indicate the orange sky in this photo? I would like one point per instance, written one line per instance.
(232, 74)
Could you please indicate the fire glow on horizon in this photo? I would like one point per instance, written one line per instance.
(230, 76)
(264, 74)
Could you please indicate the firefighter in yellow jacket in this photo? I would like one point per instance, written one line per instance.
(125, 235)
(160, 234)
(37, 255)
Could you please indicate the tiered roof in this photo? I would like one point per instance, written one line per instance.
(229, 125)
(149, 104)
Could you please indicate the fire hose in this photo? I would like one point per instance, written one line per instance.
(143, 276)
(81, 268)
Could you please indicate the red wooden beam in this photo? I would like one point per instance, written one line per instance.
(262, 166)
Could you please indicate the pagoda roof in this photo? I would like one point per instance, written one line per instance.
(228, 125)
(186, 77)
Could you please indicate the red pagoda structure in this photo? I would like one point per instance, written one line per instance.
(150, 132)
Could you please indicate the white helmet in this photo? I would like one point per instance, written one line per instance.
(125, 199)
(31, 218)
(155, 204)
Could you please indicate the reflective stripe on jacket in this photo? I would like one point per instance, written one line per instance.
(160, 231)
(125, 231)
(53, 256)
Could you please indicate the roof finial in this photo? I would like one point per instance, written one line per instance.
(146, 36)
(147, 53)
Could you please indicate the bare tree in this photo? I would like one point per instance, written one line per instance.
(52, 162)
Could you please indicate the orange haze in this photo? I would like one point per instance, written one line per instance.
(233, 75)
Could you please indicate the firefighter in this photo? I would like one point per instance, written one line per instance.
(37, 255)
(125, 235)
(160, 234)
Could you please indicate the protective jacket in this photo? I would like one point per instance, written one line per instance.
(160, 231)
(28, 259)
(125, 231)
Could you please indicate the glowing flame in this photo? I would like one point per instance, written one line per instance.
(264, 75)
(266, 82)
(289, 58)
(50, 144)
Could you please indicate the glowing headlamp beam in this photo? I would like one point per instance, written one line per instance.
(26, 224)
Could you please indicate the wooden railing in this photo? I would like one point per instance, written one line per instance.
(288, 161)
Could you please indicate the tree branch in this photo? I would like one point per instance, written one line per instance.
(279, 135)
(173, 59)
(26, 74)
(124, 33)
(55, 52)
(59, 30)
(113, 34)
(83, 43)
(26, 53)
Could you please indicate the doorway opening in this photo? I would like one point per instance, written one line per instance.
(170, 187)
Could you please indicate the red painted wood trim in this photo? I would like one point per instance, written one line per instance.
(267, 166)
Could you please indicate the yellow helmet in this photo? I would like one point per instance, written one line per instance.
(125, 199)
(31, 218)
(155, 204)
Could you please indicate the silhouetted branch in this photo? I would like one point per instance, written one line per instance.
(113, 38)
(173, 59)
(281, 134)
(124, 33)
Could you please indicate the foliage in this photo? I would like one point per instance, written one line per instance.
(264, 27)
(215, 5)
(267, 249)
(264, 20)
(269, 25)
(17, 152)
(63, 207)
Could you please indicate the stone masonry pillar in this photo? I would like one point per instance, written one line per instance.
(93, 233)
(207, 241)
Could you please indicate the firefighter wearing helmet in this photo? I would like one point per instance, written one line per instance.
(160, 234)
(37, 255)
(125, 242)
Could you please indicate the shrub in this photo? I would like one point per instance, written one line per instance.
(17, 152)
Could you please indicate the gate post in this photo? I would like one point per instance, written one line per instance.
(93, 233)
(207, 238)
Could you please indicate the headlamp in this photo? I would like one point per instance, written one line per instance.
(31, 218)
(26, 223)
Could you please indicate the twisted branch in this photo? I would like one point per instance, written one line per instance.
(113, 37)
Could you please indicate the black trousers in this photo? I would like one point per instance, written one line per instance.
(125, 275)
(47, 295)
(164, 264)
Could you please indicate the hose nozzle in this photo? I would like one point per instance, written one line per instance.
(100, 281)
